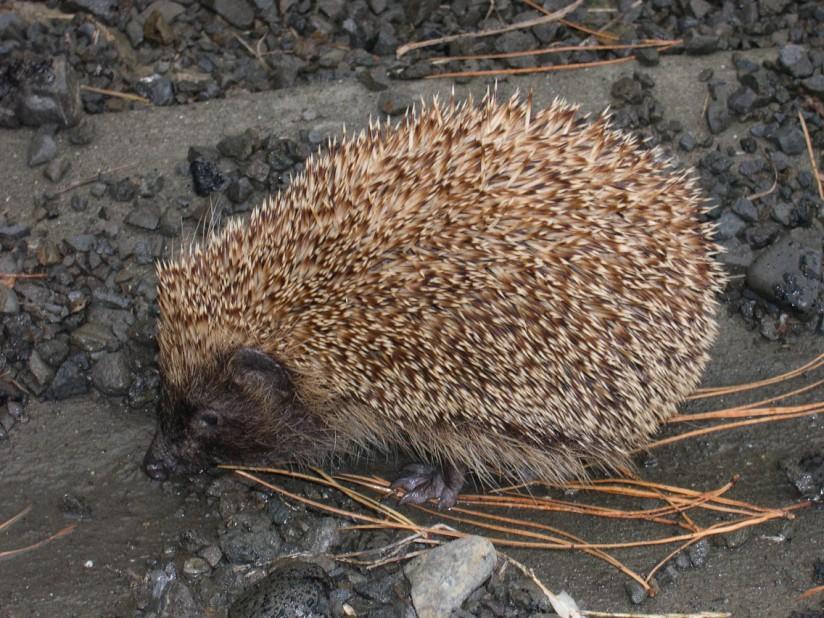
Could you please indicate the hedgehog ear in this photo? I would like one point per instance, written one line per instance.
(254, 370)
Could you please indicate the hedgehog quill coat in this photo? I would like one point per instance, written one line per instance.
(513, 290)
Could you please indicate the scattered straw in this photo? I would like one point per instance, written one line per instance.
(529, 23)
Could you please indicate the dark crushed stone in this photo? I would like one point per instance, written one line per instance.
(145, 215)
(111, 374)
(158, 89)
(296, 588)
(206, 177)
(84, 133)
(70, 379)
(718, 117)
(806, 475)
(239, 146)
(795, 60)
(789, 271)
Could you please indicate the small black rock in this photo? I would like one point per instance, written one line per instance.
(718, 118)
(206, 177)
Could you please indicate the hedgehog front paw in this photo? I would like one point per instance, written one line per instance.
(424, 482)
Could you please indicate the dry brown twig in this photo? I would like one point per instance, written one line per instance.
(811, 592)
(529, 23)
(256, 52)
(530, 70)
(21, 550)
(607, 36)
(756, 196)
(703, 393)
(9, 279)
(37, 11)
(117, 94)
(811, 154)
(554, 50)
(90, 179)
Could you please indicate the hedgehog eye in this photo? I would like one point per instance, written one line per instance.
(207, 419)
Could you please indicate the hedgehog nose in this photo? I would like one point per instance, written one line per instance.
(159, 462)
(155, 468)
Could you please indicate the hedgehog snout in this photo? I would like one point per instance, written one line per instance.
(159, 463)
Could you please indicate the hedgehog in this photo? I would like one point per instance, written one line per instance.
(490, 288)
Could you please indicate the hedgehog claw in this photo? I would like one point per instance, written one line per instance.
(422, 483)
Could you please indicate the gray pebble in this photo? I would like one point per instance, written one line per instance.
(636, 592)
(40, 369)
(795, 60)
(736, 254)
(699, 552)
(111, 374)
(255, 546)
(81, 242)
(196, 566)
(701, 44)
(84, 133)
(159, 89)
(729, 226)
(240, 146)
(212, 555)
(52, 351)
(718, 117)
(293, 588)
(145, 215)
(790, 140)
(42, 149)
(56, 169)
(98, 189)
(374, 80)
(782, 213)
(91, 337)
(742, 101)
(50, 96)
(788, 272)
(70, 379)
(240, 190)
(745, 209)
(237, 12)
(814, 84)
(442, 578)
(8, 301)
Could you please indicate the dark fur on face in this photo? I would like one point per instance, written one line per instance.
(244, 409)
